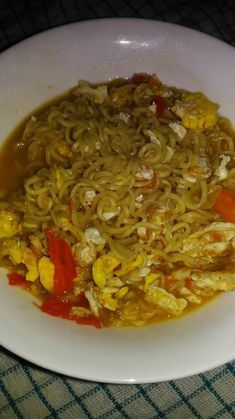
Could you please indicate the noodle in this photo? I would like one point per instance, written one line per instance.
(126, 177)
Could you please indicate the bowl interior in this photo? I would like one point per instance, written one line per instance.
(47, 65)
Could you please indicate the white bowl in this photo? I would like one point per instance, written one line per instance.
(39, 69)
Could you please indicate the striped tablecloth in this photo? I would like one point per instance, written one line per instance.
(27, 391)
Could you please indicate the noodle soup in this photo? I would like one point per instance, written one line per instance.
(119, 208)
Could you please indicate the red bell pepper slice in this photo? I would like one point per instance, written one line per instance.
(18, 280)
(225, 205)
(58, 308)
(188, 282)
(160, 103)
(64, 263)
(151, 81)
(150, 185)
(139, 78)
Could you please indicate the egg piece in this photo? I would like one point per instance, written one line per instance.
(165, 300)
(102, 267)
(93, 235)
(214, 281)
(99, 93)
(201, 169)
(87, 254)
(107, 301)
(89, 195)
(144, 173)
(15, 251)
(64, 149)
(91, 297)
(30, 261)
(179, 129)
(46, 271)
(207, 280)
(150, 278)
(190, 296)
(222, 171)
(121, 292)
(215, 240)
(131, 266)
(196, 111)
(9, 224)
(36, 243)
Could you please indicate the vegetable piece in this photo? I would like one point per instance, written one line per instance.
(83, 301)
(59, 308)
(64, 262)
(17, 279)
(151, 185)
(169, 282)
(153, 82)
(160, 103)
(89, 320)
(225, 205)
(139, 78)
(188, 282)
(55, 307)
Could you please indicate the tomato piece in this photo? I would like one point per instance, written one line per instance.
(160, 103)
(65, 266)
(18, 280)
(88, 320)
(188, 283)
(225, 205)
(56, 307)
(151, 185)
(170, 282)
(139, 78)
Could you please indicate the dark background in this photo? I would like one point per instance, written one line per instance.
(20, 19)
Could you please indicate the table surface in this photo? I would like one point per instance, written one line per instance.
(27, 391)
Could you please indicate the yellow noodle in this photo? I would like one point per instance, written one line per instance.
(112, 178)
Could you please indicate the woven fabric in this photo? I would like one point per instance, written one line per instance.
(27, 391)
(30, 392)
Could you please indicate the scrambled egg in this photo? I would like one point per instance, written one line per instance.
(30, 261)
(165, 300)
(46, 271)
(214, 281)
(64, 150)
(131, 266)
(207, 280)
(15, 250)
(149, 279)
(9, 224)
(20, 253)
(108, 301)
(196, 111)
(99, 93)
(102, 267)
(217, 239)
(200, 169)
(222, 171)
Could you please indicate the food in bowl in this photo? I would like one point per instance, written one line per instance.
(120, 206)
